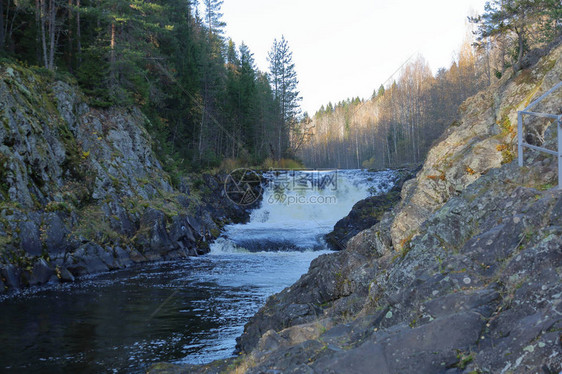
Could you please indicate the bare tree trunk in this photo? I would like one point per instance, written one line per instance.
(70, 42)
(517, 65)
(201, 128)
(112, 75)
(38, 31)
(8, 31)
(4, 24)
(78, 33)
(43, 31)
(357, 150)
(52, 33)
(2, 32)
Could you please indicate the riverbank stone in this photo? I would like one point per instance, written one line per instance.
(41, 273)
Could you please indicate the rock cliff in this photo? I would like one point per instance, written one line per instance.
(463, 276)
(484, 138)
(81, 190)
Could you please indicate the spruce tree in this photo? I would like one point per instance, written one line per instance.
(283, 78)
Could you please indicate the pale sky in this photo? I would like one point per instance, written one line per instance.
(348, 48)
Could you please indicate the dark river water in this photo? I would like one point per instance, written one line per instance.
(188, 311)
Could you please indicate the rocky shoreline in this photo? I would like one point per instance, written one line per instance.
(82, 191)
(367, 212)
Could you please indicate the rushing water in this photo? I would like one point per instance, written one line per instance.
(186, 311)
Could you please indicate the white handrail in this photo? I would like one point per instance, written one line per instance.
(521, 144)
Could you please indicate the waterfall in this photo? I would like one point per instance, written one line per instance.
(299, 207)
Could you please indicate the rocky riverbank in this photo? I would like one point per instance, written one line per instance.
(462, 276)
(367, 212)
(81, 190)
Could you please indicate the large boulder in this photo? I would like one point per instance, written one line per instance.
(41, 273)
(153, 236)
(56, 234)
(30, 238)
(89, 258)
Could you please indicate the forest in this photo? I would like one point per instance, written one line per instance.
(207, 101)
(204, 96)
(399, 123)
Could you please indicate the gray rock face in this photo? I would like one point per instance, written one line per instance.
(464, 276)
(56, 234)
(366, 213)
(81, 187)
(156, 238)
(11, 276)
(90, 258)
(483, 140)
(31, 240)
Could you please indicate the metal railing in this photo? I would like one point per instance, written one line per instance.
(557, 119)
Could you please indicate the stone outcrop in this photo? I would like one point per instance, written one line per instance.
(81, 190)
(483, 139)
(367, 212)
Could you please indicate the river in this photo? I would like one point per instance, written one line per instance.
(187, 311)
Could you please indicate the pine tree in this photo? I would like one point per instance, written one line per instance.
(283, 78)
(522, 18)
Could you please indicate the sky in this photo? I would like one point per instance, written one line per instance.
(344, 49)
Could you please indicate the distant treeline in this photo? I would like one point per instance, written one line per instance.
(401, 120)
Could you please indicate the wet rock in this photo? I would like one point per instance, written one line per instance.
(121, 258)
(367, 212)
(364, 214)
(153, 236)
(11, 276)
(89, 258)
(40, 273)
(180, 232)
(197, 227)
(75, 175)
(66, 275)
(478, 286)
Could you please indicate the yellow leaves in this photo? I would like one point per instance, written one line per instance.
(507, 127)
(507, 153)
(85, 154)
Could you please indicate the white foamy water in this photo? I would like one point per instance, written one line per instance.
(299, 208)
